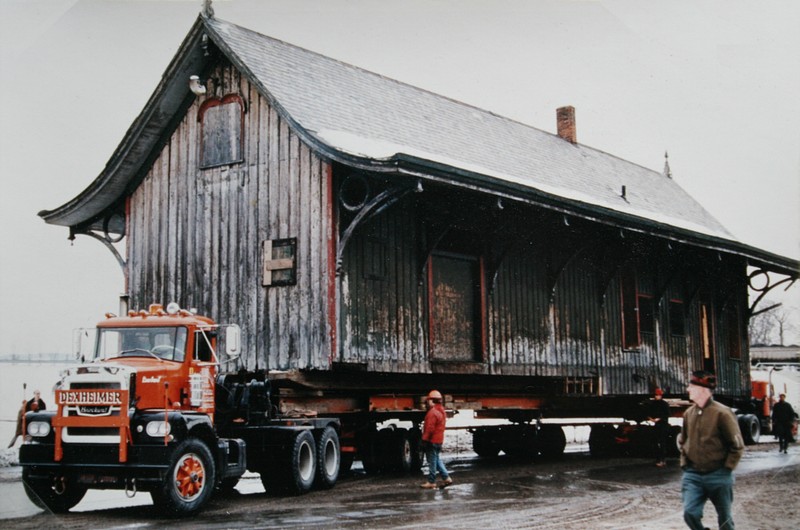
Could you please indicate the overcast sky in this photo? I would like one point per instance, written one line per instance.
(715, 83)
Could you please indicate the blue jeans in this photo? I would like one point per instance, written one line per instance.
(697, 488)
(432, 453)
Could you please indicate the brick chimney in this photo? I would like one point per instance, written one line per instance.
(565, 118)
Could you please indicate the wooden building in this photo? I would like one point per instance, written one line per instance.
(365, 232)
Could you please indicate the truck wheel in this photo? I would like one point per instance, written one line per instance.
(751, 428)
(298, 463)
(328, 458)
(190, 479)
(56, 495)
(552, 441)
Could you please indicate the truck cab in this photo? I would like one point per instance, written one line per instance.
(139, 416)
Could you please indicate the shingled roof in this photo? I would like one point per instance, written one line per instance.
(366, 120)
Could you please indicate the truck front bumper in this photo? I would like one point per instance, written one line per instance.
(97, 465)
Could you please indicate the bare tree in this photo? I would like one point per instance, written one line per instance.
(784, 321)
(772, 323)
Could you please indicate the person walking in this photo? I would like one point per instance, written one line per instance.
(659, 415)
(432, 440)
(782, 419)
(711, 446)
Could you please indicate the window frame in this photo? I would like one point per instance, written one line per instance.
(212, 103)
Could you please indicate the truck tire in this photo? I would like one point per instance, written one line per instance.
(418, 453)
(404, 445)
(601, 440)
(485, 442)
(750, 427)
(189, 481)
(552, 441)
(673, 449)
(52, 495)
(300, 464)
(328, 458)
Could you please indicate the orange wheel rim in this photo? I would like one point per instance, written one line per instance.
(190, 475)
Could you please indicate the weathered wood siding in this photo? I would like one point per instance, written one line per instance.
(553, 308)
(195, 234)
(548, 297)
(383, 316)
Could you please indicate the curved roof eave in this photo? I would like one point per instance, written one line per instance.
(756, 257)
(139, 141)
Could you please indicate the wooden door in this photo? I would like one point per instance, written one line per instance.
(455, 308)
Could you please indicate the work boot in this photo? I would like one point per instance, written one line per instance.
(428, 485)
(446, 482)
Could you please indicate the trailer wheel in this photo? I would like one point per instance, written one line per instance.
(328, 458)
(485, 442)
(519, 441)
(601, 440)
(750, 427)
(189, 481)
(417, 452)
(673, 449)
(552, 441)
(404, 451)
(57, 495)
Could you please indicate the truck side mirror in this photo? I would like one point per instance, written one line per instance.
(76, 343)
(80, 340)
(232, 336)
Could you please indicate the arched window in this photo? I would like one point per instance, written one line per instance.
(221, 131)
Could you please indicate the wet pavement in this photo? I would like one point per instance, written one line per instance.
(576, 492)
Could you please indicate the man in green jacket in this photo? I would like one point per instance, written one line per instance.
(711, 446)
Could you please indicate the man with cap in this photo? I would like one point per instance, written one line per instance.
(782, 420)
(711, 446)
(433, 438)
(659, 415)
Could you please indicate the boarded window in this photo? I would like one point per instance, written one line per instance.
(221, 125)
(706, 337)
(279, 262)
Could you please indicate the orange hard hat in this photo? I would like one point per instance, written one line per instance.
(434, 394)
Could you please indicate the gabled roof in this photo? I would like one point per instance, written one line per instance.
(365, 120)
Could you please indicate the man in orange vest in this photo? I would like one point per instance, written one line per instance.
(432, 440)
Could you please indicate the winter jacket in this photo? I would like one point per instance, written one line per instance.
(782, 412)
(433, 430)
(710, 438)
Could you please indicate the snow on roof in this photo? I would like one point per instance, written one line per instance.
(361, 113)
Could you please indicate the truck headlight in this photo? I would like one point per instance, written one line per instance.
(38, 429)
(157, 429)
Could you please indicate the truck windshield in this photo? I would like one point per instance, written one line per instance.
(168, 343)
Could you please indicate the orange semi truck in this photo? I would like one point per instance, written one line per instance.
(153, 411)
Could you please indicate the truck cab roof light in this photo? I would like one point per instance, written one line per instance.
(110, 315)
(173, 308)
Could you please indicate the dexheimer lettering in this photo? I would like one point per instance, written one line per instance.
(90, 397)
